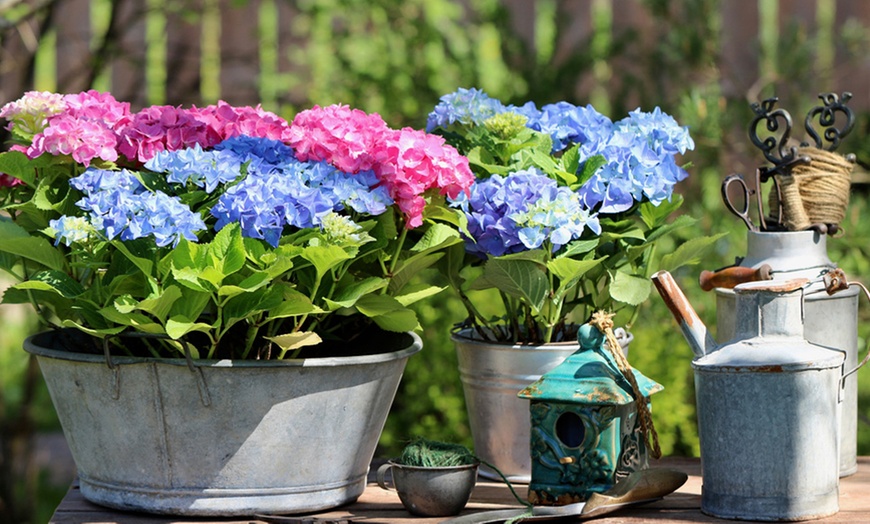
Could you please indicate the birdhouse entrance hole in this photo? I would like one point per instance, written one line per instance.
(570, 429)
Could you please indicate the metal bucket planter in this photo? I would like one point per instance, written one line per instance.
(492, 375)
(222, 438)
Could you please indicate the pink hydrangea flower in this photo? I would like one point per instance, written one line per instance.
(349, 139)
(229, 121)
(94, 105)
(82, 139)
(29, 114)
(9, 181)
(162, 128)
(415, 162)
(407, 162)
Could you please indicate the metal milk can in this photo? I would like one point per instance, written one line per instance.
(767, 406)
(830, 320)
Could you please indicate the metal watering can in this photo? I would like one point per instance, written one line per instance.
(830, 320)
(768, 404)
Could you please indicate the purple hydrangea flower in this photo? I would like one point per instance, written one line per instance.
(520, 212)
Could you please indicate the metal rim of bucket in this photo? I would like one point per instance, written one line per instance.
(34, 345)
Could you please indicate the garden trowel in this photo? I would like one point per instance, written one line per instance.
(639, 487)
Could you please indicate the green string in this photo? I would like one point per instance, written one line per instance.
(425, 453)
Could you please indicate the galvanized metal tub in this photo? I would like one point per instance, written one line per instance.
(226, 437)
(492, 375)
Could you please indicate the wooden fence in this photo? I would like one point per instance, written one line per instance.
(209, 49)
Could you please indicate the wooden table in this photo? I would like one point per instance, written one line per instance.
(379, 506)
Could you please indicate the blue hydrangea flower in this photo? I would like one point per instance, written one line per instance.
(465, 106)
(299, 194)
(567, 124)
(640, 164)
(264, 154)
(206, 169)
(119, 206)
(520, 212)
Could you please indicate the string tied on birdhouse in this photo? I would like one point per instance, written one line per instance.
(814, 192)
(603, 321)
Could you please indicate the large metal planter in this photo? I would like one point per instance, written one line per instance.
(492, 375)
(225, 437)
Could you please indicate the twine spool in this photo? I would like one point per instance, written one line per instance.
(816, 192)
(604, 322)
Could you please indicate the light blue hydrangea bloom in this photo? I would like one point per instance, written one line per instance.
(119, 206)
(640, 162)
(465, 106)
(206, 169)
(520, 212)
(566, 123)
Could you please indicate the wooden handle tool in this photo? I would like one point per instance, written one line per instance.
(731, 276)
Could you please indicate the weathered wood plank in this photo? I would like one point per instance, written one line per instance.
(73, 25)
(378, 505)
(240, 59)
(128, 63)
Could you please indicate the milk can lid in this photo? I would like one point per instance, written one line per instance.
(770, 355)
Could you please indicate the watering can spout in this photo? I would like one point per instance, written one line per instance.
(693, 328)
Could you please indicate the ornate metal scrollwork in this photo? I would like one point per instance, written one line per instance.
(827, 118)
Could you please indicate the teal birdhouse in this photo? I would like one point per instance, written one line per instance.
(585, 432)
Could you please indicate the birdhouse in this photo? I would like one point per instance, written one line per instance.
(585, 428)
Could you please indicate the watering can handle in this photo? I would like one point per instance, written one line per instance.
(867, 354)
(732, 276)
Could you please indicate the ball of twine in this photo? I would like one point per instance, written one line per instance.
(816, 192)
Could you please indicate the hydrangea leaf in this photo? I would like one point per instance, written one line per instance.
(139, 321)
(409, 268)
(436, 237)
(251, 283)
(17, 241)
(416, 292)
(16, 164)
(324, 257)
(348, 295)
(387, 312)
(569, 271)
(519, 278)
(293, 303)
(55, 281)
(630, 289)
(291, 341)
(161, 305)
(689, 252)
(178, 326)
(579, 247)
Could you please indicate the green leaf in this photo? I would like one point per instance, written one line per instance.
(348, 295)
(100, 333)
(417, 292)
(251, 283)
(290, 341)
(191, 305)
(387, 312)
(523, 279)
(133, 252)
(324, 258)
(17, 241)
(409, 268)
(578, 247)
(227, 251)
(178, 326)
(689, 252)
(570, 270)
(678, 223)
(16, 164)
(161, 305)
(570, 160)
(293, 303)
(138, 321)
(655, 215)
(630, 289)
(437, 236)
(592, 164)
(56, 281)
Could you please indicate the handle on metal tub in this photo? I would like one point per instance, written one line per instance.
(835, 280)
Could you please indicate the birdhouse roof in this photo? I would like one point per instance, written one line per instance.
(589, 376)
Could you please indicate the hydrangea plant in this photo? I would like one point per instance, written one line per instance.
(224, 232)
(565, 213)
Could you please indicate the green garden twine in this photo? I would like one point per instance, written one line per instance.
(424, 453)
